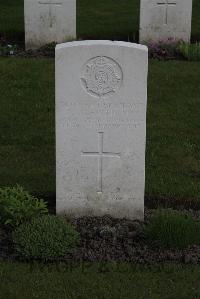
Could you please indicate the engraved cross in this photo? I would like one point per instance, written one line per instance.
(51, 4)
(100, 155)
(166, 4)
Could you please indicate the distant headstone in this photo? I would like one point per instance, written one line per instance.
(49, 21)
(101, 97)
(161, 20)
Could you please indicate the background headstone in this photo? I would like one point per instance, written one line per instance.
(49, 21)
(101, 97)
(165, 19)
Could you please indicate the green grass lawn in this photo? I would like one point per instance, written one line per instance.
(107, 19)
(21, 281)
(27, 142)
(12, 18)
(27, 123)
(27, 153)
(196, 20)
(173, 127)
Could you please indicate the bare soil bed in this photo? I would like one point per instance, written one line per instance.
(108, 239)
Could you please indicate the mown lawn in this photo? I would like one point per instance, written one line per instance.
(22, 281)
(12, 19)
(173, 130)
(107, 19)
(27, 124)
(27, 142)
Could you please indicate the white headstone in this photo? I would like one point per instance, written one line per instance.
(161, 20)
(49, 21)
(101, 97)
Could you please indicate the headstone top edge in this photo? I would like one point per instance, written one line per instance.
(101, 43)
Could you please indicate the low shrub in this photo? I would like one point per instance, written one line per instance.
(18, 206)
(164, 50)
(173, 229)
(174, 49)
(7, 49)
(45, 237)
(190, 51)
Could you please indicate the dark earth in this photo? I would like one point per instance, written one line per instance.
(108, 239)
(158, 51)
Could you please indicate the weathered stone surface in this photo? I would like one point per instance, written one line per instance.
(165, 19)
(49, 21)
(101, 96)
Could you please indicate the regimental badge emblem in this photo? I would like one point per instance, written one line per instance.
(101, 76)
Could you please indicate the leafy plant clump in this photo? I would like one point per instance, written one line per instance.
(18, 206)
(174, 49)
(7, 49)
(173, 229)
(190, 51)
(164, 49)
(45, 237)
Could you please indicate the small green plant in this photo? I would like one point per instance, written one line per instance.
(164, 49)
(17, 206)
(173, 229)
(190, 51)
(45, 237)
(7, 50)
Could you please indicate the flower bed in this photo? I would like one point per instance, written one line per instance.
(108, 239)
